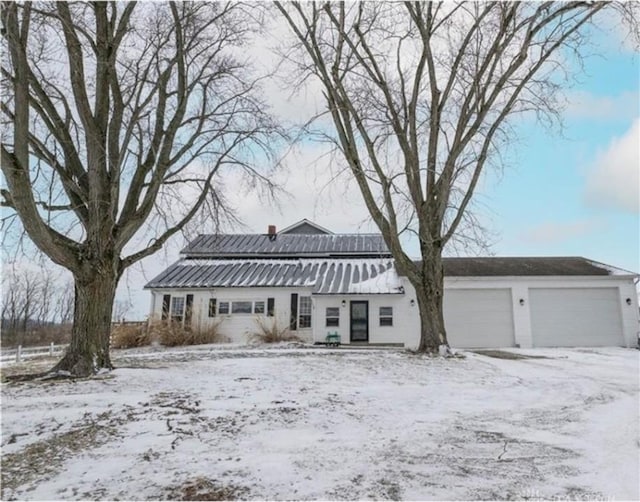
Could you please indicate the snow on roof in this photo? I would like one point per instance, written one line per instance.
(611, 269)
(345, 275)
(324, 276)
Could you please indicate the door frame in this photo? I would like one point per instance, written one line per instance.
(351, 303)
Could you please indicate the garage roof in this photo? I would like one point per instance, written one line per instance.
(528, 266)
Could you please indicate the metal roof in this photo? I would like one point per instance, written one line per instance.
(528, 266)
(334, 276)
(356, 275)
(286, 245)
(305, 226)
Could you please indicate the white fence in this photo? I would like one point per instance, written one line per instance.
(21, 353)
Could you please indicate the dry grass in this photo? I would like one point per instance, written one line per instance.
(206, 489)
(172, 334)
(167, 333)
(126, 336)
(269, 331)
(47, 456)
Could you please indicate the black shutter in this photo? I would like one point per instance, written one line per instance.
(188, 311)
(212, 307)
(166, 302)
(270, 306)
(293, 323)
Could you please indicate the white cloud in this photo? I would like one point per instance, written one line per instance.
(318, 189)
(614, 180)
(585, 105)
(555, 232)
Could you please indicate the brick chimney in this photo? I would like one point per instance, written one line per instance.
(271, 230)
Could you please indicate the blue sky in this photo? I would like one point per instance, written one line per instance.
(543, 205)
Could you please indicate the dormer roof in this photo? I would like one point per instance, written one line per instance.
(305, 226)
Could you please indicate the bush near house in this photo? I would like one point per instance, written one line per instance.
(172, 334)
(269, 331)
(169, 334)
(126, 336)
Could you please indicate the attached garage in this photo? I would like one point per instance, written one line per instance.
(479, 318)
(539, 302)
(570, 317)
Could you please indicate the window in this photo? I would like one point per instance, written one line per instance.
(304, 312)
(271, 302)
(177, 308)
(212, 307)
(166, 301)
(188, 311)
(386, 316)
(333, 316)
(241, 307)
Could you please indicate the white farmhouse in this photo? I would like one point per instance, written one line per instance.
(317, 282)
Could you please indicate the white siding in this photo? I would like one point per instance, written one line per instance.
(406, 321)
(570, 317)
(404, 317)
(477, 318)
(238, 328)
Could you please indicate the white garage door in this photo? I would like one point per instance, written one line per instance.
(574, 317)
(477, 318)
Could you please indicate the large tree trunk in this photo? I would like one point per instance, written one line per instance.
(429, 295)
(88, 351)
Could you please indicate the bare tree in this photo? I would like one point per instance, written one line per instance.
(120, 310)
(31, 286)
(12, 302)
(44, 308)
(24, 294)
(64, 304)
(420, 96)
(120, 117)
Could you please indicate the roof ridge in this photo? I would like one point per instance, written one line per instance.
(296, 235)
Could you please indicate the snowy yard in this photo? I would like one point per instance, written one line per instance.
(286, 423)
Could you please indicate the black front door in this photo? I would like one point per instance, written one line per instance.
(359, 321)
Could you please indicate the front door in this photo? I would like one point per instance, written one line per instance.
(359, 321)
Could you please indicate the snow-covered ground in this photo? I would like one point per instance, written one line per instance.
(301, 423)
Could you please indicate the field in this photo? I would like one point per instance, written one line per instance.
(216, 422)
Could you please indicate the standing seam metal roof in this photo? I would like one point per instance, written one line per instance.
(358, 275)
(280, 245)
(334, 276)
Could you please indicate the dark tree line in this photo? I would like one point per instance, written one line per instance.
(37, 305)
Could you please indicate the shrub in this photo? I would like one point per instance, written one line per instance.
(173, 334)
(126, 336)
(269, 331)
